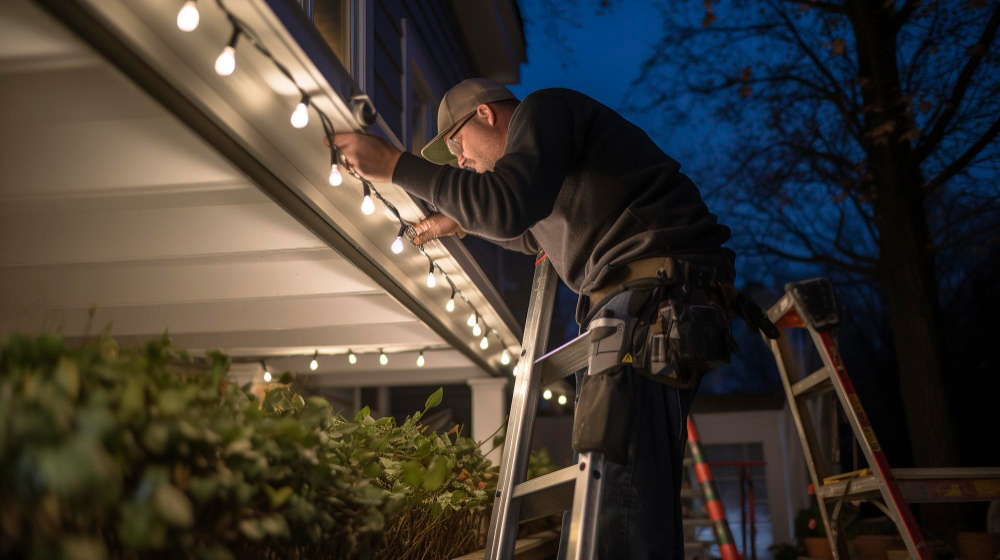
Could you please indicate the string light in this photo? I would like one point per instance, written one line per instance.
(226, 63)
(335, 177)
(382, 358)
(367, 206)
(188, 17)
(431, 280)
(505, 357)
(300, 116)
(420, 359)
(476, 330)
(484, 343)
(314, 364)
(562, 399)
(267, 374)
(547, 395)
(397, 245)
(351, 358)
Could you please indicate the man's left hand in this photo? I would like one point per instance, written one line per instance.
(372, 157)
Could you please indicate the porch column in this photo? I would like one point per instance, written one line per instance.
(488, 405)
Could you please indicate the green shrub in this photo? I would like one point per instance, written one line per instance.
(146, 453)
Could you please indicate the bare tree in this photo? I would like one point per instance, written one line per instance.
(859, 135)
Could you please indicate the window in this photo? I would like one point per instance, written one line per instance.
(727, 483)
(332, 19)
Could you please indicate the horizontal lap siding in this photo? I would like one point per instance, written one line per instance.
(437, 34)
(388, 96)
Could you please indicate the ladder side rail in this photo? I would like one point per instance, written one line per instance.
(711, 498)
(798, 405)
(865, 436)
(524, 403)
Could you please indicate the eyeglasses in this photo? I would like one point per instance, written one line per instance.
(453, 146)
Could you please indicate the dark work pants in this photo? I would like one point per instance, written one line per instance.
(641, 511)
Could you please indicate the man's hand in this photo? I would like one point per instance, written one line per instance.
(434, 226)
(374, 158)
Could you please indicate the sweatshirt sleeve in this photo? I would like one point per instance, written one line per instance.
(524, 244)
(523, 186)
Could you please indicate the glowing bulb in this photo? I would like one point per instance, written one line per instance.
(335, 177)
(314, 364)
(226, 63)
(477, 330)
(383, 359)
(505, 357)
(267, 376)
(397, 245)
(484, 344)
(472, 320)
(367, 206)
(431, 280)
(352, 358)
(300, 117)
(450, 306)
(188, 17)
(547, 394)
(420, 360)
(562, 399)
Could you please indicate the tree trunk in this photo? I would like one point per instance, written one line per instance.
(906, 268)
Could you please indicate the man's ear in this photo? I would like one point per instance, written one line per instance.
(487, 113)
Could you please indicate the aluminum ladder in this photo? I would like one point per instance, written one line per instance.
(577, 487)
(812, 305)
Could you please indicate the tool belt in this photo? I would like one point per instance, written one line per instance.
(680, 319)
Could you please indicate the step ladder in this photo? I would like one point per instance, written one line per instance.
(812, 305)
(702, 488)
(578, 487)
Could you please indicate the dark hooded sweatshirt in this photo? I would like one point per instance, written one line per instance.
(582, 183)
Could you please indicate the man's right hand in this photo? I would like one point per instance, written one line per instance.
(434, 226)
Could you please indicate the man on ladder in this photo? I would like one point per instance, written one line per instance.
(627, 231)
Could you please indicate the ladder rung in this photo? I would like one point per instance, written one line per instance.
(861, 487)
(688, 462)
(698, 522)
(817, 382)
(547, 494)
(925, 485)
(690, 493)
(564, 360)
(690, 545)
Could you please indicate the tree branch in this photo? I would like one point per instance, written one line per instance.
(933, 138)
(820, 5)
(904, 13)
(963, 160)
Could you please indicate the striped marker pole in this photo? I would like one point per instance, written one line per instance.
(716, 513)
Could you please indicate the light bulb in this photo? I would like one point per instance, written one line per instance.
(472, 320)
(314, 364)
(477, 330)
(383, 359)
(367, 206)
(420, 360)
(484, 344)
(226, 63)
(335, 177)
(505, 357)
(431, 280)
(267, 376)
(300, 117)
(351, 358)
(547, 394)
(562, 399)
(450, 306)
(188, 17)
(397, 245)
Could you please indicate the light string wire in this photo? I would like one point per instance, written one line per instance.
(243, 30)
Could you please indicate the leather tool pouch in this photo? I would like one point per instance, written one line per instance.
(682, 342)
(603, 414)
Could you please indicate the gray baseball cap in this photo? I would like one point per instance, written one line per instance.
(457, 107)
